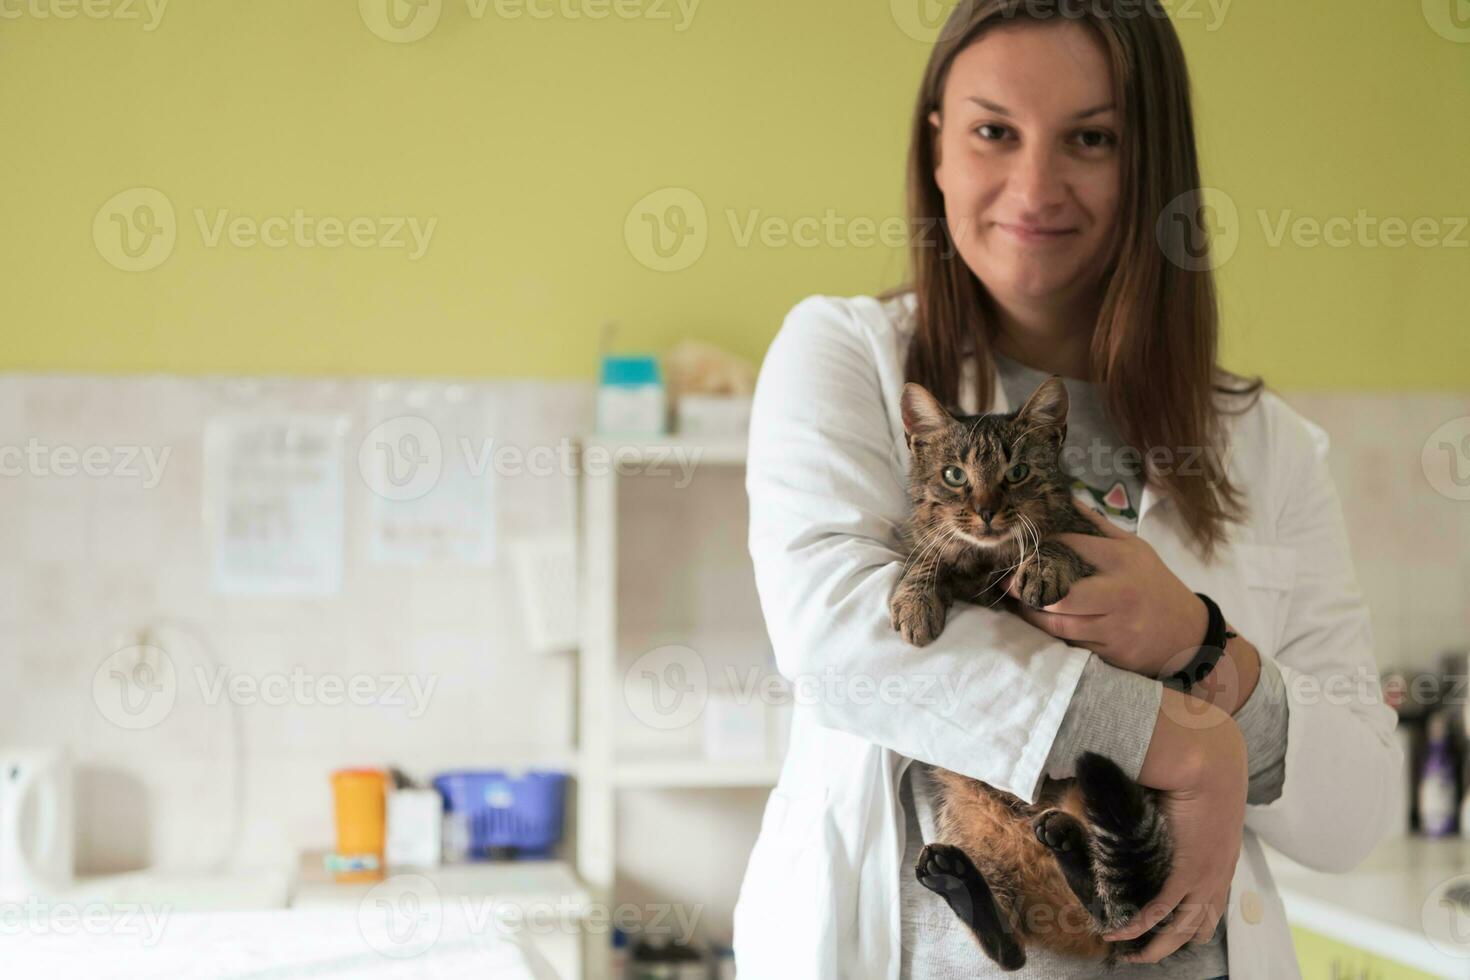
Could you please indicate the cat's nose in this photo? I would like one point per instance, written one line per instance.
(986, 515)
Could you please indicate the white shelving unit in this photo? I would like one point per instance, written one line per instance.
(696, 774)
(626, 611)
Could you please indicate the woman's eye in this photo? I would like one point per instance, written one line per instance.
(990, 131)
(954, 476)
(1018, 472)
(1095, 139)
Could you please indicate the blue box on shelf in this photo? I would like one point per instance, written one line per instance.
(505, 815)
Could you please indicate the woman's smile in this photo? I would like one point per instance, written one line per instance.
(1036, 235)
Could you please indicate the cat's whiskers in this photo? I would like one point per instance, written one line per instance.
(999, 578)
(930, 543)
(1030, 525)
(1021, 540)
(925, 534)
(928, 561)
(917, 549)
(1026, 526)
(934, 566)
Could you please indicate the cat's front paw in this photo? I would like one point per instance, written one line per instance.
(1042, 582)
(918, 616)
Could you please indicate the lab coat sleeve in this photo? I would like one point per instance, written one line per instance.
(1341, 753)
(827, 498)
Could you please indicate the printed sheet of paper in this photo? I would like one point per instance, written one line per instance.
(273, 503)
(423, 460)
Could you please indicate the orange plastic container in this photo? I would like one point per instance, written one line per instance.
(360, 799)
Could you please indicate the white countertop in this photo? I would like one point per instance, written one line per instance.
(181, 891)
(287, 944)
(546, 888)
(518, 920)
(1393, 905)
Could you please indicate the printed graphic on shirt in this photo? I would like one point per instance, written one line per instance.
(1113, 502)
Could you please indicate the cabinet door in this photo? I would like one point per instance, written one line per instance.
(1321, 958)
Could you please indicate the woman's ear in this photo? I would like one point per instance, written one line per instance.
(936, 130)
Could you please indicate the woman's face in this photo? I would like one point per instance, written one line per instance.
(1027, 145)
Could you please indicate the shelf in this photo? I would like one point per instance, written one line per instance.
(669, 450)
(528, 884)
(698, 590)
(697, 773)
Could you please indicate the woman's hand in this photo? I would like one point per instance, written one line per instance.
(1133, 612)
(1198, 759)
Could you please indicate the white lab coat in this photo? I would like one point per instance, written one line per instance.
(826, 479)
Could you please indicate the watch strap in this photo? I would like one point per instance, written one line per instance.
(1209, 653)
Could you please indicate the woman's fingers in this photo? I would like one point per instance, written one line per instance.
(1152, 913)
(1091, 596)
(1097, 517)
(1199, 920)
(1194, 922)
(1208, 919)
(1169, 938)
(1102, 555)
(1078, 630)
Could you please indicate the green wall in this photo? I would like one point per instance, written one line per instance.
(528, 140)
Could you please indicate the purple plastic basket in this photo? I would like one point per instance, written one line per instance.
(519, 816)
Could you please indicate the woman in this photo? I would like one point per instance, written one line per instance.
(1052, 151)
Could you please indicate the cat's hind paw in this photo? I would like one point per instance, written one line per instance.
(1060, 832)
(948, 872)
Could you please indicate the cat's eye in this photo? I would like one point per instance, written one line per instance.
(1018, 473)
(954, 476)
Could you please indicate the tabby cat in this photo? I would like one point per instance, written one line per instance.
(989, 494)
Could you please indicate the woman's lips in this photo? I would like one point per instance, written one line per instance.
(1033, 234)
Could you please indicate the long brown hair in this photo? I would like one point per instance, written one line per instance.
(1155, 342)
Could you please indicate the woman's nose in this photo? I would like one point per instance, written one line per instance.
(1037, 183)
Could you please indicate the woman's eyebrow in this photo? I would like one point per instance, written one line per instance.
(1002, 110)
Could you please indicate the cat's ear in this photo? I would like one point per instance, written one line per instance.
(1046, 410)
(922, 413)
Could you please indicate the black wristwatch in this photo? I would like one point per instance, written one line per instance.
(1209, 653)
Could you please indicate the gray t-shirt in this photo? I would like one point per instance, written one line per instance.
(1103, 475)
(1112, 712)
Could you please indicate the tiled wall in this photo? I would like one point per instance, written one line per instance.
(1410, 540)
(88, 561)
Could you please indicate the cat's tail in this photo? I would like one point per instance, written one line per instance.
(1133, 852)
